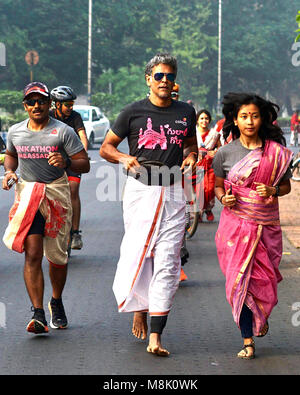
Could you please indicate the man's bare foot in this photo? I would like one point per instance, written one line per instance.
(155, 346)
(139, 325)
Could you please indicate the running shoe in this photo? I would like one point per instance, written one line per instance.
(183, 276)
(209, 216)
(58, 316)
(76, 241)
(38, 323)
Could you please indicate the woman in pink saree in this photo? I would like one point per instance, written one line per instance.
(208, 141)
(251, 172)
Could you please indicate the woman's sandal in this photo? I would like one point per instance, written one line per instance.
(243, 354)
(264, 330)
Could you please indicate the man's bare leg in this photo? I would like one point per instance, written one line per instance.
(139, 325)
(155, 346)
(76, 204)
(58, 276)
(33, 273)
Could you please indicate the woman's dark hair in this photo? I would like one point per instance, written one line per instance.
(232, 103)
(205, 112)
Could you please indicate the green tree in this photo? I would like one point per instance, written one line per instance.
(57, 33)
(135, 31)
(256, 49)
(125, 32)
(126, 85)
(298, 30)
(184, 34)
(11, 101)
(256, 44)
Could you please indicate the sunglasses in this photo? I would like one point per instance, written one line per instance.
(174, 94)
(31, 102)
(159, 76)
(68, 104)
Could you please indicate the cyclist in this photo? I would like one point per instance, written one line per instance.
(64, 97)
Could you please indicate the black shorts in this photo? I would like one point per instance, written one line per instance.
(73, 176)
(38, 225)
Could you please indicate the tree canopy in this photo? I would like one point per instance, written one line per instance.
(298, 30)
(256, 47)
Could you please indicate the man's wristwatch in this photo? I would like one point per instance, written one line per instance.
(277, 191)
(68, 162)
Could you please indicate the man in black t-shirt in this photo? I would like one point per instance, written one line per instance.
(64, 97)
(158, 129)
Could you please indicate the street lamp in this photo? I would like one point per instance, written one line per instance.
(90, 52)
(219, 58)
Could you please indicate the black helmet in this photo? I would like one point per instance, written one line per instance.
(62, 93)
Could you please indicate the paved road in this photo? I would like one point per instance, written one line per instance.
(200, 332)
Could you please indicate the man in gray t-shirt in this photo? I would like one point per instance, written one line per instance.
(40, 222)
(33, 149)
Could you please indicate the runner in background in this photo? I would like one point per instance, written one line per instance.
(175, 92)
(295, 126)
(64, 97)
(184, 254)
(208, 141)
(219, 128)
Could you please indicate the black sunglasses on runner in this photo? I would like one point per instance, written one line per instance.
(31, 102)
(174, 94)
(159, 76)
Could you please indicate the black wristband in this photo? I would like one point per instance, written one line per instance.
(277, 191)
(222, 198)
(68, 162)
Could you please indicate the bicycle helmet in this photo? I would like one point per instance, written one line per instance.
(62, 93)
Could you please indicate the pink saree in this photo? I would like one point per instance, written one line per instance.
(249, 239)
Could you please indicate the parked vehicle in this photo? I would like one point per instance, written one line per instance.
(2, 142)
(296, 168)
(95, 122)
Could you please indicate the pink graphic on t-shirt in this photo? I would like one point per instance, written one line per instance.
(150, 138)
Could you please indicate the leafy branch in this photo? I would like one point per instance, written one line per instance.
(298, 30)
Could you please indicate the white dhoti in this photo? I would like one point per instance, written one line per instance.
(148, 271)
